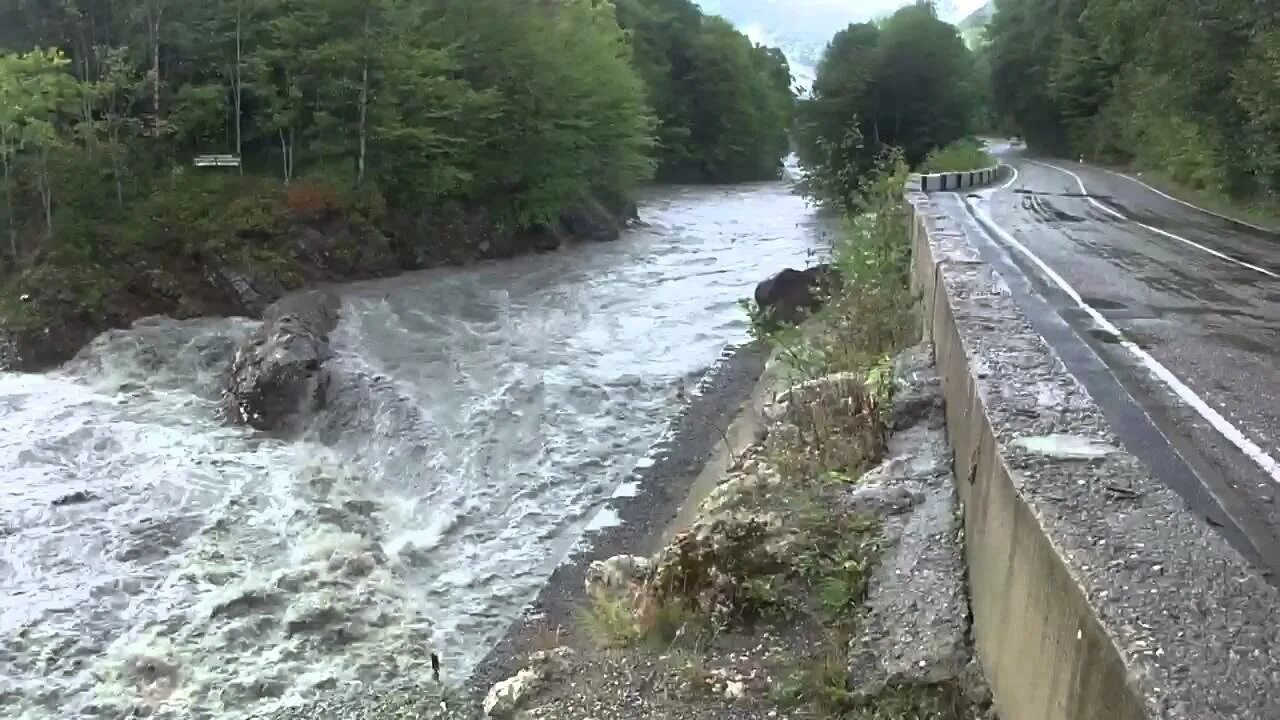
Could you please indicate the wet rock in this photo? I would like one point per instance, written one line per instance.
(915, 632)
(590, 221)
(710, 566)
(795, 404)
(278, 371)
(506, 696)
(740, 484)
(617, 574)
(337, 249)
(8, 351)
(79, 497)
(249, 291)
(1066, 447)
(791, 295)
(917, 396)
(881, 500)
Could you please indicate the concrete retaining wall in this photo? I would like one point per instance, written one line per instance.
(1096, 595)
(931, 182)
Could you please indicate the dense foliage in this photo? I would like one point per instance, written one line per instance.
(908, 83)
(518, 107)
(724, 105)
(1187, 88)
(959, 156)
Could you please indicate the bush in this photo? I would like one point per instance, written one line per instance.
(309, 198)
(959, 156)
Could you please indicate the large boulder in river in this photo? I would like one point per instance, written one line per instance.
(590, 220)
(278, 371)
(791, 295)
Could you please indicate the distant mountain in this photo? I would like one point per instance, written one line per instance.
(972, 27)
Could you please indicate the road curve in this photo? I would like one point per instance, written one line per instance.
(1174, 317)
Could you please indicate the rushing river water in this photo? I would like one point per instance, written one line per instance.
(155, 560)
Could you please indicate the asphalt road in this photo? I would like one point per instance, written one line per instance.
(1174, 326)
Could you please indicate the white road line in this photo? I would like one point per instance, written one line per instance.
(1220, 255)
(1012, 180)
(986, 191)
(1233, 434)
(1180, 201)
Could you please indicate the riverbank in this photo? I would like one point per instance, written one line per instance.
(813, 566)
(233, 248)
(796, 588)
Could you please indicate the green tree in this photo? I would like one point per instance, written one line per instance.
(43, 93)
(11, 118)
(1178, 87)
(908, 83)
(1258, 88)
(724, 106)
(114, 93)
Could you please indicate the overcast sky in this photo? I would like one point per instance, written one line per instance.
(816, 16)
(803, 27)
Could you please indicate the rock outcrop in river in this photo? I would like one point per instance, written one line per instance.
(279, 370)
(792, 294)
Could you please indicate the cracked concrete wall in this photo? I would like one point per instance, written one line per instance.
(1088, 603)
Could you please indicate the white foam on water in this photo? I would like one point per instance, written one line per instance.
(627, 490)
(158, 561)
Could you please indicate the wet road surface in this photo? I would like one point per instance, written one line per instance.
(1180, 312)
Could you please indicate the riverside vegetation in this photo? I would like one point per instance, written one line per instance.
(373, 137)
(908, 82)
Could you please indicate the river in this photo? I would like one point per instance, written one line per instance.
(156, 561)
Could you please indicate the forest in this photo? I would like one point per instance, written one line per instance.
(516, 107)
(905, 84)
(1185, 88)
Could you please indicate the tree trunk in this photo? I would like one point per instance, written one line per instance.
(155, 79)
(364, 126)
(364, 106)
(116, 168)
(86, 103)
(155, 12)
(239, 82)
(284, 155)
(8, 196)
(46, 195)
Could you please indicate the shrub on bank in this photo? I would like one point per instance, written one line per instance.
(959, 156)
